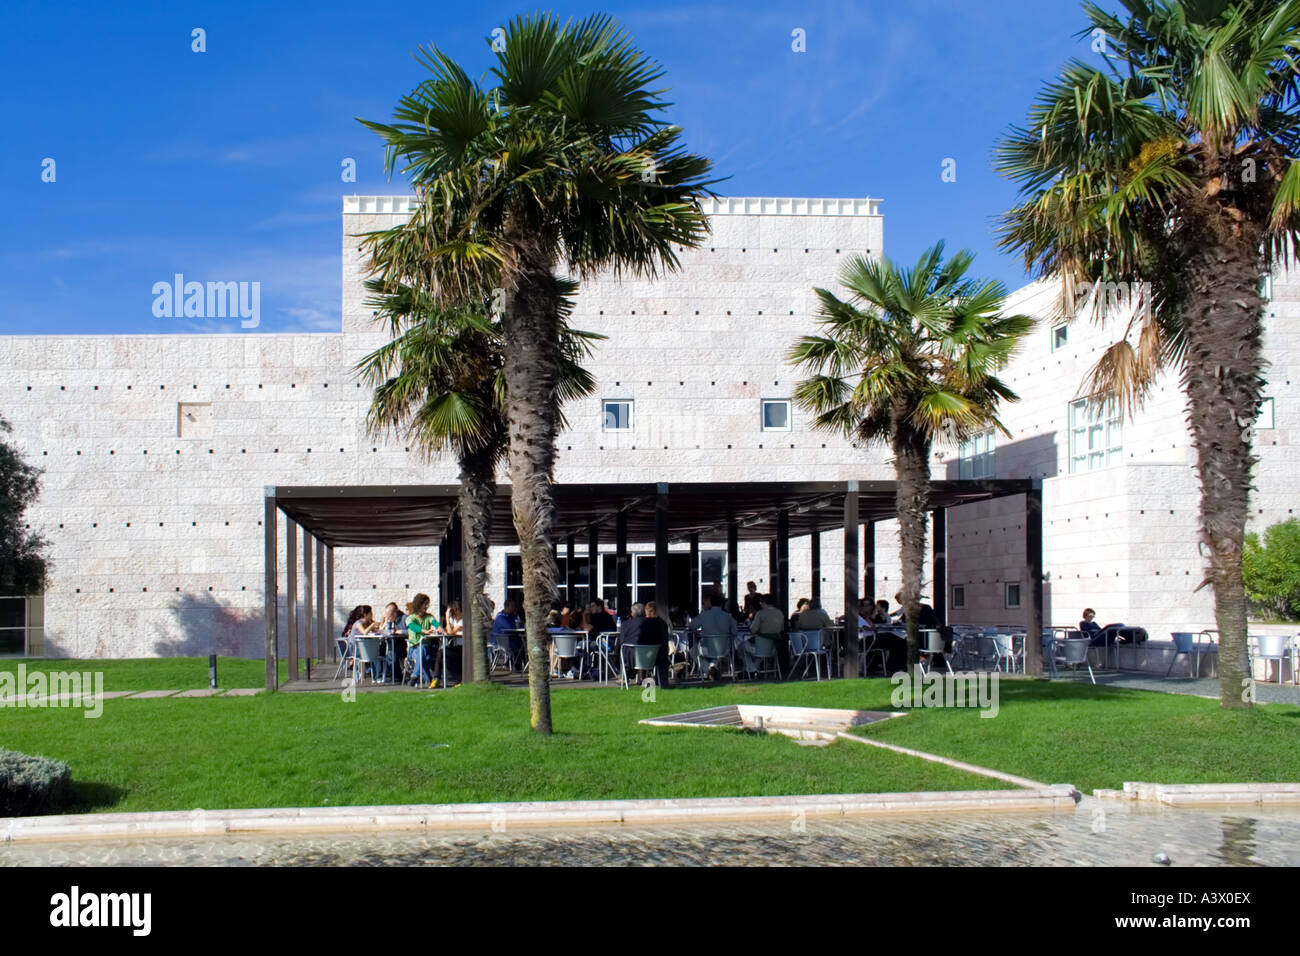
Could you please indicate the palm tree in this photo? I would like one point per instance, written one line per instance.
(564, 166)
(438, 382)
(907, 359)
(1170, 173)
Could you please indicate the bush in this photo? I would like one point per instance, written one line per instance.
(1272, 571)
(32, 785)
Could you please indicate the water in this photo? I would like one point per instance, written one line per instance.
(1095, 834)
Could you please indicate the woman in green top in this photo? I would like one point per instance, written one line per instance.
(419, 625)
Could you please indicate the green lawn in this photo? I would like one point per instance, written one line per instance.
(157, 673)
(315, 749)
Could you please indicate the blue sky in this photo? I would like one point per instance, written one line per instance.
(225, 165)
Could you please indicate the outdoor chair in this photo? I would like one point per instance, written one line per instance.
(809, 647)
(714, 650)
(347, 652)
(1074, 651)
(641, 657)
(764, 654)
(367, 652)
(934, 644)
(1270, 647)
(603, 648)
(1185, 643)
(565, 646)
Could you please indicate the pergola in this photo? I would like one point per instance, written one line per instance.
(370, 516)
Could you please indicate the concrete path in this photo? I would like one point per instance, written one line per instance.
(1204, 687)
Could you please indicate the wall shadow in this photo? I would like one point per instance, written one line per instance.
(207, 626)
(1033, 457)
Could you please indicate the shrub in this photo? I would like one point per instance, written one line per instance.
(1271, 570)
(32, 785)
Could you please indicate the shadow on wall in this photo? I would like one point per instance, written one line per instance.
(1035, 457)
(207, 626)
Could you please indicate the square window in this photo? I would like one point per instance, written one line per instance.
(617, 415)
(1060, 337)
(1096, 435)
(1265, 417)
(776, 414)
(958, 595)
(975, 456)
(1013, 595)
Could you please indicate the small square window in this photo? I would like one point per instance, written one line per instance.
(617, 416)
(958, 595)
(1013, 595)
(1060, 337)
(776, 414)
(1265, 417)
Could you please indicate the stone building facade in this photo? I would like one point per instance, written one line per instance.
(156, 449)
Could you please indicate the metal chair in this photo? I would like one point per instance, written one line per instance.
(1185, 643)
(565, 645)
(642, 658)
(1074, 651)
(934, 644)
(809, 647)
(715, 649)
(764, 654)
(1270, 647)
(347, 650)
(366, 650)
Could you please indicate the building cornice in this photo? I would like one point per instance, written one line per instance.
(721, 206)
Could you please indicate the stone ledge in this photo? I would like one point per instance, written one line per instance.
(501, 816)
(1207, 794)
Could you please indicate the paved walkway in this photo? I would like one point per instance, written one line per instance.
(1203, 687)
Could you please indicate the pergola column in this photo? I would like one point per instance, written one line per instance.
(622, 567)
(849, 660)
(939, 562)
(869, 559)
(329, 590)
(569, 594)
(733, 558)
(269, 522)
(695, 574)
(593, 563)
(661, 548)
(323, 635)
(772, 585)
(308, 616)
(291, 591)
(815, 565)
(1034, 579)
(782, 595)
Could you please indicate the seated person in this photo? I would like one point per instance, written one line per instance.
(508, 620)
(654, 630)
(767, 622)
(419, 625)
(814, 618)
(750, 607)
(597, 620)
(800, 606)
(714, 621)
(926, 619)
(453, 621)
(361, 622)
(1091, 628)
(880, 615)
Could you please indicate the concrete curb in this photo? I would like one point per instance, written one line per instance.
(1207, 794)
(498, 817)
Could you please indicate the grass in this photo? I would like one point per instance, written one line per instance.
(156, 673)
(1094, 737)
(315, 749)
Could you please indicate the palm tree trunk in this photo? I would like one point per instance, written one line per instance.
(532, 410)
(911, 500)
(477, 489)
(1223, 380)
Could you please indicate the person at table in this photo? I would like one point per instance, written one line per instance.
(800, 606)
(767, 622)
(453, 620)
(654, 630)
(880, 616)
(508, 620)
(629, 631)
(714, 621)
(555, 625)
(598, 620)
(814, 617)
(419, 625)
(393, 630)
(926, 618)
(361, 622)
(751, 600)
(1091, 629)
